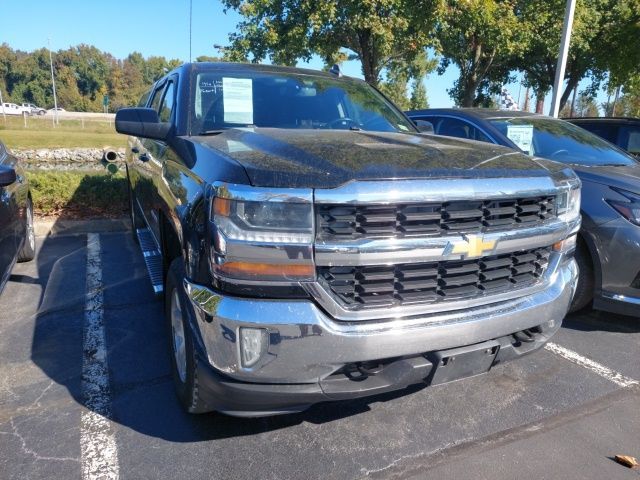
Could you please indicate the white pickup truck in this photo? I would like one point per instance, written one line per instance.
(12, 109)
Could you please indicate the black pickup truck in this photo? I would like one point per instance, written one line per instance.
(313, 245)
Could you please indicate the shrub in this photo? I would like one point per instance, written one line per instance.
(74, 194)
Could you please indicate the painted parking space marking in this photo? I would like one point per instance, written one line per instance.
(599, 369)
(99, 452)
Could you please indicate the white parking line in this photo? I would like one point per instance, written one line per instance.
(99, 452)
(605, 372)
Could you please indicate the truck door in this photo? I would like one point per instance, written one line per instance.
(148, 163)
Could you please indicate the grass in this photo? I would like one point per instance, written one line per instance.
(40, 133)
(76, 194)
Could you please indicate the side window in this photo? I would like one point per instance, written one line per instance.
(630, 139)
(144, 98)
(167, 103)
(608, 132)
(453, 127)
(157, 97)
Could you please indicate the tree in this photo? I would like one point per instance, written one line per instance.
(418, 96)
(482, 38)
(400, 74)
(601, 29)
(378, 33)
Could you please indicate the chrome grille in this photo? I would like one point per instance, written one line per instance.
(393, 285)
(343, 222)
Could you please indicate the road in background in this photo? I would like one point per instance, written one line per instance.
(544, 416)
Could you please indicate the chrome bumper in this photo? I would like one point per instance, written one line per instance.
(306, 346)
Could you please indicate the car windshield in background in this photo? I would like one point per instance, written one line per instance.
(560, 141)
(290, 101)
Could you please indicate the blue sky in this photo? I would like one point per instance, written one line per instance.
(158, 27)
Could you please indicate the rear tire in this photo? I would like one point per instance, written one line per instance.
(28, 251)
(184, 365)
(586, 282)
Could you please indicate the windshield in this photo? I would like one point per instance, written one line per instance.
(560, 141)
(287, 100)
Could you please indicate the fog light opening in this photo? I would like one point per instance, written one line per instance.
(253, 344)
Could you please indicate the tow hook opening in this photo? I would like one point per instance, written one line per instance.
(362, 370)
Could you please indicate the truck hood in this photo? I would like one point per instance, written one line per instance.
(303, 158)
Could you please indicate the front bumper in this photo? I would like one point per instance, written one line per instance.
(308, 350)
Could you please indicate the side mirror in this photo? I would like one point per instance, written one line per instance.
(141, 122)
(7, 176)
(424, 126)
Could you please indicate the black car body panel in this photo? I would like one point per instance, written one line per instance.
(328, 159)
(13, 200)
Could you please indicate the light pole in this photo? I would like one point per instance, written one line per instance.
(562, 59)
(4, 115)
(53, 82)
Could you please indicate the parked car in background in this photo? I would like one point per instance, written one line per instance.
(33, 109)
(312, 245)
(11, 109)
(621, 131)
(53, 110)
(17, 237)
(608, 251)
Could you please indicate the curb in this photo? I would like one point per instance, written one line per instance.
(74, 227)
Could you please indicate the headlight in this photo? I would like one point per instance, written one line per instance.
(274, 222)
(568, 205)
(629, 210)
(262, 234)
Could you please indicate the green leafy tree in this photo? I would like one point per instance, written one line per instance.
(482, 38)
(375, 32)
(604, 37)
(419, 98)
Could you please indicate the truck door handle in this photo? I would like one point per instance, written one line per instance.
(135, 150)
(144, 157)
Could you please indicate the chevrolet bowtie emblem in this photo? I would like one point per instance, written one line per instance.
(475, 246)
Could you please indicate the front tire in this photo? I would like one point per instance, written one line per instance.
(28, 251)
(184, 365)
(586, 282)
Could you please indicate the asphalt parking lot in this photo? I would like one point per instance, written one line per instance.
(562, 412)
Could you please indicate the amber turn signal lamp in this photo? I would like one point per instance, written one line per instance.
(245, 269)
(222, 206)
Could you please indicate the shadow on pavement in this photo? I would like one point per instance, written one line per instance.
(142, 390)
(593, 320)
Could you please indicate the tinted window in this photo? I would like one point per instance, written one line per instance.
(454, 127)
(290, 100)
(167, 103)
(630, 139)
(144, 98)
(563, 142)
(607, 131)
(157, 97)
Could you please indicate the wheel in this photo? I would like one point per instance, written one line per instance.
(41, 112)
(29, 248)
(184, 367)
(586, 282)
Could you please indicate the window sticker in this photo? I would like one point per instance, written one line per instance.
(238, 100)
(521, 135)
